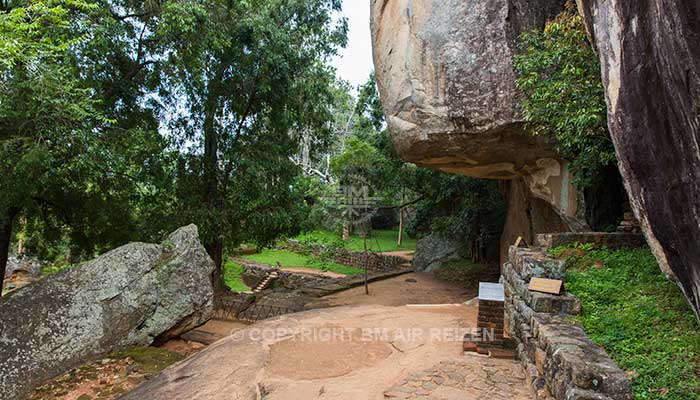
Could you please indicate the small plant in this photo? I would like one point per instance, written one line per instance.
(168, 245)
(54, 269)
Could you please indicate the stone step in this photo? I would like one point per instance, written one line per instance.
(201, 337)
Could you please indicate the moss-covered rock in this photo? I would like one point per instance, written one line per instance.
(129, 296)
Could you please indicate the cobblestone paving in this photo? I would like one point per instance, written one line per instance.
(474, 378)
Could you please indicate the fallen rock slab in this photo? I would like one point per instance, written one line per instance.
(129, 296)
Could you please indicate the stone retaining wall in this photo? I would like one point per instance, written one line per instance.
(561, 361)
(373, 261)
(254, 273)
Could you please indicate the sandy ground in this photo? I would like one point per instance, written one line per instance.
(352, 352)
(414, 288)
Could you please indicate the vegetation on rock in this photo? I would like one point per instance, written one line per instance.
(564, 97)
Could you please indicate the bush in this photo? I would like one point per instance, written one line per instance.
(560, 76)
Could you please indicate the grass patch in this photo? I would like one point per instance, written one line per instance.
(639, 317)
(380, 241)
(232, 276)
(290, 259)
(151, 359)
(54, 269)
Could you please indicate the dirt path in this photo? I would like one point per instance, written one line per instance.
(405, 254)
(414, 288)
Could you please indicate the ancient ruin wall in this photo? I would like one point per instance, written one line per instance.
(561, 361)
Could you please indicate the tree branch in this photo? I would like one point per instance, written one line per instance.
(120, 18)
(410, 203)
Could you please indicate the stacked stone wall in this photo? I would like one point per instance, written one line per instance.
(561, 361)
(372, 261)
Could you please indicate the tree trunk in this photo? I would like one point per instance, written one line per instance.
(216, 252)
(5, 238)
(212, 196)
(22, 232)
(366, 272)
(398, 244)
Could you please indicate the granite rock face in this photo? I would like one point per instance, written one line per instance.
(650, 56)
(447, 82)
(129, 296)
(435, 249)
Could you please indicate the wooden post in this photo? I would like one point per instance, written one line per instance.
(21, 234)
(366, 262)
(398, 244)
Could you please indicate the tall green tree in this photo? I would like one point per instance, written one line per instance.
(46, 115)
(242, 79)
(79, 145)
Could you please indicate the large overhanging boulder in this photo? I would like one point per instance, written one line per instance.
(447, 82)
(129, 296)
(650, 55)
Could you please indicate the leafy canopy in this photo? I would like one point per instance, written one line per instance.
(243, 81)
(560, 76)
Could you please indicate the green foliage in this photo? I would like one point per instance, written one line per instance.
(358, 158)
(368, 109)
(232, 272)
(80, 180)
(286, 258)
(54, 269)
(560, 76)
(249, 77)
(639, 317)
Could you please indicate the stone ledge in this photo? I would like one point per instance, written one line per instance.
(529, 263)
(539, 302)
(372, 261)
